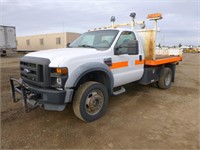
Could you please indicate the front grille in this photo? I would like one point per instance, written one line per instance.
(29, 71)
(35, 71)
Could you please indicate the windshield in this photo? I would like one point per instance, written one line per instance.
(100, 40)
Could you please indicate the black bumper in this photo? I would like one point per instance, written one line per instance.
(48, 95)
(50, 99)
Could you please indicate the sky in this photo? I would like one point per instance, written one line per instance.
(180, 23)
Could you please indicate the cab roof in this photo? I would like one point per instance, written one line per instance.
(119, 29)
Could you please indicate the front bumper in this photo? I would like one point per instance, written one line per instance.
(49, 99)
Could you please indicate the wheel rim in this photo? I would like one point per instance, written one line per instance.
(168, 79)
(94, 102)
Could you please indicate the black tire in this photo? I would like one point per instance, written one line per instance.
(90, 101)
(165, 80)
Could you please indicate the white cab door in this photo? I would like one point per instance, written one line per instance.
(126, 67)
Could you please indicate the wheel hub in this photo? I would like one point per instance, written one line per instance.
(168, 79)
(94, 102)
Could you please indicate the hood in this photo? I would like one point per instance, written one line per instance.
(58, 55)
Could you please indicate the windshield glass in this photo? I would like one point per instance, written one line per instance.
(100, 40)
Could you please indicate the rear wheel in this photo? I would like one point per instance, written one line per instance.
(165, 80)
(90, 101)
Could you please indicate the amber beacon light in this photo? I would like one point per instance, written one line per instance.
(156, 16)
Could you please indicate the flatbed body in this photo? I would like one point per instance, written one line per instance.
(161, 60)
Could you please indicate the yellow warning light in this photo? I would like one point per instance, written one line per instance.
(156, 16)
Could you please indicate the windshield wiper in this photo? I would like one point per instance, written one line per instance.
(84, 45)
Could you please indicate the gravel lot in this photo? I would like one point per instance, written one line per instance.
(142, 118)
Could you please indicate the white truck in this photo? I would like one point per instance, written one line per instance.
(7, 39)
(94, 66)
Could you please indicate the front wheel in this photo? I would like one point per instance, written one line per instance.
(90, 101)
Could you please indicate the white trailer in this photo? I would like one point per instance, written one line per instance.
(7, 39)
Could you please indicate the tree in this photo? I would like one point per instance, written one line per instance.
(180, 45)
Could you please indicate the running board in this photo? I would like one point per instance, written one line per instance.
(120, 91)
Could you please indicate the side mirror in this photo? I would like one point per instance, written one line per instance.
(68, 44)
(130, 48)
(133, 47)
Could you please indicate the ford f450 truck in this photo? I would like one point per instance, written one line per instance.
(94, 66)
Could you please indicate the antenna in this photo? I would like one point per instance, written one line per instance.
(132, 15)
(112, 20)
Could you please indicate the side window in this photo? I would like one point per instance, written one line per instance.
(123, 40)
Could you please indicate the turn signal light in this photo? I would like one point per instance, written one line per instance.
(62, 71)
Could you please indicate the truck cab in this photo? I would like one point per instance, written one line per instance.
(91, 69)
(118, 49)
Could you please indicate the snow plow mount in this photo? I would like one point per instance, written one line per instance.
(18, 87)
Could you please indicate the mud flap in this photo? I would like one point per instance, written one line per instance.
(18, 87)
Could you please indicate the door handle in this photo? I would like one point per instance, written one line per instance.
(140, 57)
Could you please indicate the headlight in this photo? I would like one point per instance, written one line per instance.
(58, 77)
(59, 81)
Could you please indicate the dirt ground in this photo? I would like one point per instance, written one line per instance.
(142, 118)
